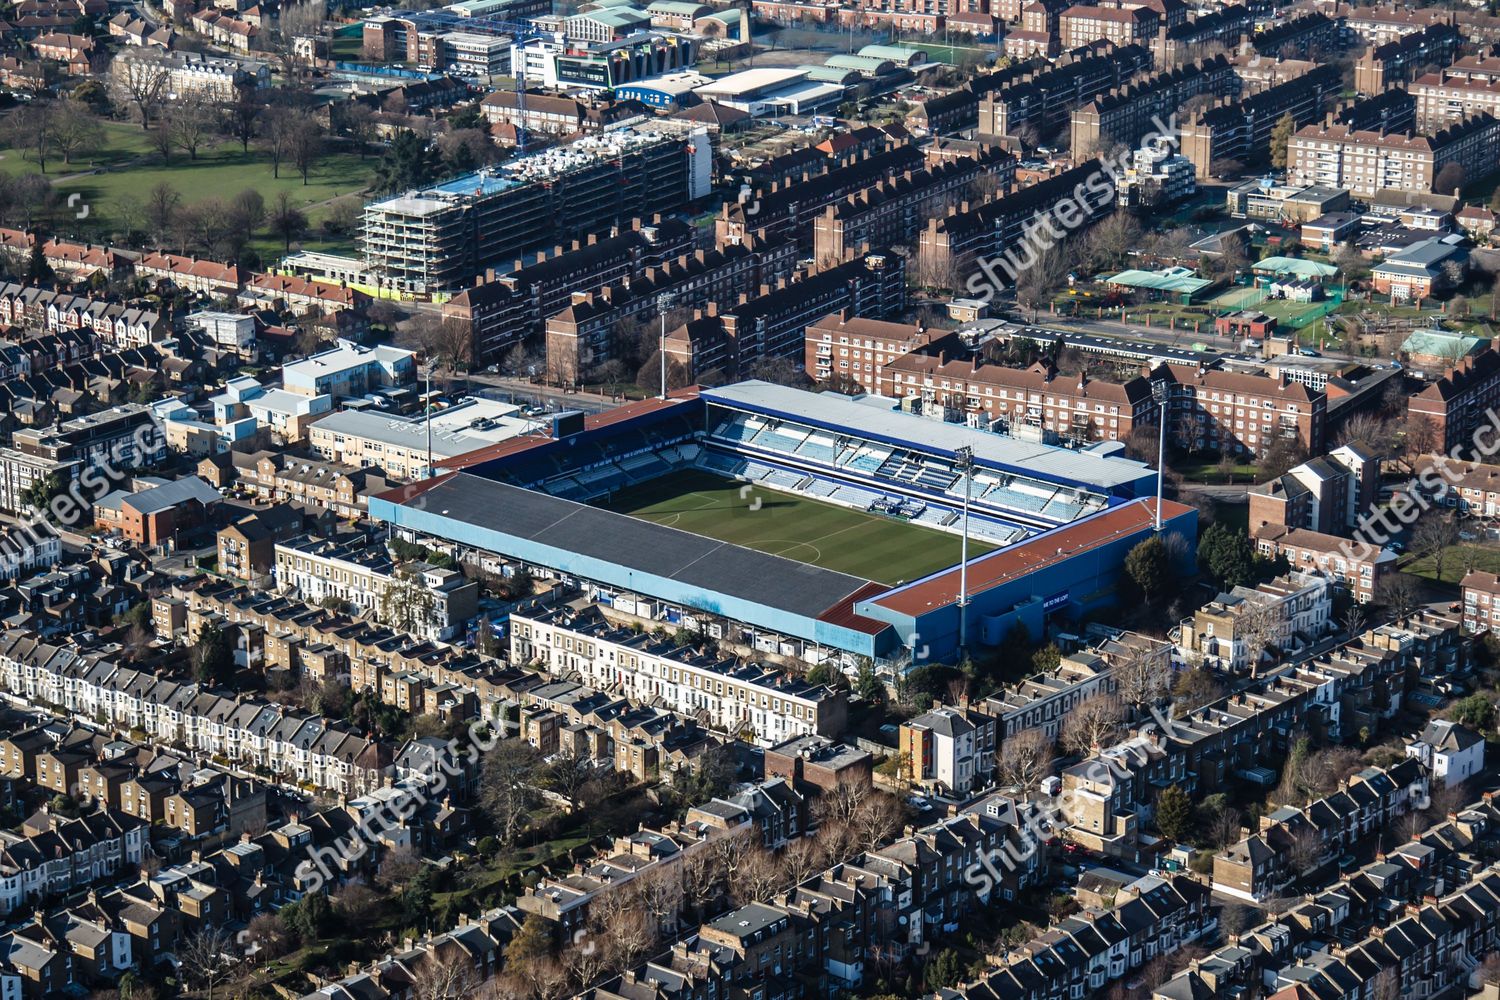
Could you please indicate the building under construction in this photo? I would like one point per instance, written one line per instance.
(439, 238)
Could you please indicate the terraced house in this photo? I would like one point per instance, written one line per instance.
(741, 699)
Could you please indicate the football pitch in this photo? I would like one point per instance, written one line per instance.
(871, 546)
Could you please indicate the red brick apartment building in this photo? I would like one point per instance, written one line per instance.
(1455, 406)
(859, 349)
(1481, 601)
(1031, 401)
(1080, 25)
(1361, 568)
(1242, 413)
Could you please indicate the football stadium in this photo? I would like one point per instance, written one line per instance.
(810, 524)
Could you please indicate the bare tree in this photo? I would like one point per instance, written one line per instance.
(191, 124)
(305, 146)
(1025, 759)
(1304, 853)
(756, 878)
(1092, 725)
(142, 83)
(207, 957)
(277, 136)
(799, 861)
(286, 219)
(75, 131)
(450, 976)
(1436, 532)
(840, 803)
(1141, 676)
(505, 791)
(1399, 592)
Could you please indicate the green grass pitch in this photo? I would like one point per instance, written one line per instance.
(871, 546)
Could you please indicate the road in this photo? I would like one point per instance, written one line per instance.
(1182, 339)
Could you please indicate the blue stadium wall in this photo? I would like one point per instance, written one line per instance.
(624, 578)
(1073, 586)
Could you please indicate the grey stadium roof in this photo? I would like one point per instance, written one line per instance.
(878, 416)
(639, 545)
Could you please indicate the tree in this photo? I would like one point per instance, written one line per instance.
(1174, 813)
(1400, 592)
(276, 136)
(360, 126)
(449, 975)
(405, 604)
(1092, 725)
(1304, 854)
(161, 208)
(1148, 566)
(75, 131)
(573, 776)
(207, 957)
(409, 162)
(1025, 759)
(190, 125)
(1278, 457)
(505, 791)
(240, 119)
(268, 937)
(305, 146)
(141, 82)
(286, 219)
(32, 128)
(1476, 711)
(212, 656)
(1109, 244)
(1227, 555)
(1435, 533)
(1450, 180)
(1281, 137)
(1035, 284)
(1142, 675)
(1195, 688)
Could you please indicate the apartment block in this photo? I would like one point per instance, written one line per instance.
(1132, 111)
(442, 236)
(110, 443)
(949, 750)
(1241, 129)
(1365, 162)
(1298, 36)
(893, 210)
(952, 245)
(349, 369)
(1398, 61)
(854, 350)
(1042, 95)
(193, 74)
(1035, 403)
(743, 699)
(1455, 406)
(1360, 568)
(1080, 25)
(1242, 413)
(773, 324)
(586, 331)
(502, 310)
(1446, 98)
(1328, 493)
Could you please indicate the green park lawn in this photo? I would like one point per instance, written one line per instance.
(120, 176)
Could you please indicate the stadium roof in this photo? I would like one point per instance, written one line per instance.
(643, 546)
(1017, 561)
(874, 416)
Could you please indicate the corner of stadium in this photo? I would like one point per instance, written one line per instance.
(816, 523)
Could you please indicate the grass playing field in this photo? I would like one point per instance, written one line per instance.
(849, 541)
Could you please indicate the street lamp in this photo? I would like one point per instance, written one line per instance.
(663, 303)
(1160, 391)
(963, 460)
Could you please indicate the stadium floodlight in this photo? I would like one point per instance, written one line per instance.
(1161, 392)
(963, 460)
(663, 303)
